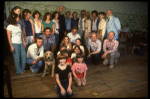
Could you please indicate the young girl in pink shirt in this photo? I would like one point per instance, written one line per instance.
(79, 69)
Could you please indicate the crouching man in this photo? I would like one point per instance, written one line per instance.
(34, 55)
(110, 50)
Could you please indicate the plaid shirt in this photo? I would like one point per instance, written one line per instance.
(95, 46)
(112, 46)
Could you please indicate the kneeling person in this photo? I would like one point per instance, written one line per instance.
(111, 54)
(34, 55)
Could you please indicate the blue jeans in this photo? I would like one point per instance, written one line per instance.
(64, 84)
(19, 55)
(37, 35)
(94, 58)
(56, 38)
(36, 67)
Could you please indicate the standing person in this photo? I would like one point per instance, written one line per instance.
(62, 29)
(101, 27)
(74, 20)
(63, 78)
(48, 23)
(34, 55)
(73, 35)
(68, 22)
(87, 27)
(94, 49)
(113, 24)
(17, 10)
(95, 21)
(110, 55)
(29, 29)
(79, 70)
(16, 42)
(81, 25)
(48, 40)
(37, 23)
(56, 21)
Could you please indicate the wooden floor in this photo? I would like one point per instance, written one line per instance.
(128, 78)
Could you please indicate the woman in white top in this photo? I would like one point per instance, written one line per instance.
(56, 26)
(16, 42)
(101, 26)
(37, 23)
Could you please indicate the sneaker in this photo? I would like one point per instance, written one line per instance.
(111, 66)
(32, 70)
(116, 61)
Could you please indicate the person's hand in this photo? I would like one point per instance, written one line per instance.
(84, 79)
(89, 56)
(63, 92)
(86, 36)
(33, 40)
(34, 62)
(24, 44)
(104, 55)
(12, 49)
(69, 90)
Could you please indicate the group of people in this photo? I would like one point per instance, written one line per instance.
(30, 39)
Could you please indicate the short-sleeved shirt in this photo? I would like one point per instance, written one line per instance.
(95, 46)
(48, 43)
(69, 60)
(15, 33)
(50, 24)
(79, 68)
(63, 74)
(73, 38)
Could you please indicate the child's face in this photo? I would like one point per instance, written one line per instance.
(80, 60)
(78, 42)
(62, 61)
(76, 50)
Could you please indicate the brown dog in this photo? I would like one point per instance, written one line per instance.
(49, 62)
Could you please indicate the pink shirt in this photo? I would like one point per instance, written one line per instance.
(79, 68)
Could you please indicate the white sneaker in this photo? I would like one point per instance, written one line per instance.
(111, 66)
(32, 70)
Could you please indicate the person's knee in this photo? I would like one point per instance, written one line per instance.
(40, 62)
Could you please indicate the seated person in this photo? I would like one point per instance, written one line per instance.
(78, 42)
(76, 50)
(62, 47)
(65, 52)
(48, 40)
(35, 53)
(94, 48)
(110, 55)
(73, 35)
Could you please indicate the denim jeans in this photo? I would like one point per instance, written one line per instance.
(37, 35)
(36, 67)
(94, 58)
(19, 55)
(56, 38)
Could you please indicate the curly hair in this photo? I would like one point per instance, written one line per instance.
(54, 14)
(94, 11)
(36, 12)
(25, 11)
(45, 16)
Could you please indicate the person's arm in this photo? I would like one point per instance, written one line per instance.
(70, 80)
(114, 48)
(9, 40)
(23, 39)
(32, 30)
(53, 28)
(118, 25)
(89, 28)
(42, 28)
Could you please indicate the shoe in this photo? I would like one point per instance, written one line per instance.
(111, 66)
(32, 70)
(116, 61)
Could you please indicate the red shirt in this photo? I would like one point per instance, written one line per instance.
(69, 60)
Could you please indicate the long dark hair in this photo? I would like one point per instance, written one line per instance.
(12, 19)
(54, 14)
(78, 48)
(25, 11)
(15, 8)
(45, 16)
(80, 55)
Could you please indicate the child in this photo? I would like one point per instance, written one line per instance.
(78, 42)
(62, 47)
(79, 69)
(63, 77)
(69, 61)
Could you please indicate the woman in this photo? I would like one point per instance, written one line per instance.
(16, 42)
(56, 25)
(87, 27)
(37, 23)
(47, 22)
(63, 77)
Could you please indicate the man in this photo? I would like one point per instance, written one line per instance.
(101, 26)
(94, 48)
(110, 50)
(73, 35)
(74, 20)
(95, 21)
(81, 25)
(62, 25)
(113, 24)
(68, 22)
(48, 40)
(34, 55)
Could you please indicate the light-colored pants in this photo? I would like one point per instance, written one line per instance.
(110, 58)
(29, 39)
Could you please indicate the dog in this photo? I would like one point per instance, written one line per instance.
(49, 62)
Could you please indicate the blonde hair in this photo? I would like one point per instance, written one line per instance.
(87, 14)
(63, 41)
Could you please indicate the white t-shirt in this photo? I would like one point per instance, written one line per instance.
(73, 38)
(15, 33)
(73, 55)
